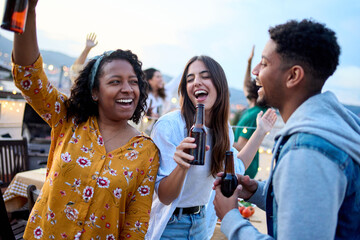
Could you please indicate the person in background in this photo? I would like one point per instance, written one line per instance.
(182, 207)
(79, 63)
(159, 99)
(247, 123)
(313, 191)
(100, 171)
(156, 94)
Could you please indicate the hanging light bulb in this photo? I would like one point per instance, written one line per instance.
(244, 130)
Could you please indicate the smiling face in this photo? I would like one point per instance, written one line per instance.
(118, 93)
(199, 85)
(270, 76)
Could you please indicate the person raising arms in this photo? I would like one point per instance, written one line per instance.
(101, 171)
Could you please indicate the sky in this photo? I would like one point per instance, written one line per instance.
(165, 34)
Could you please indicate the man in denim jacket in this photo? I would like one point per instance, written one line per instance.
(314, 190)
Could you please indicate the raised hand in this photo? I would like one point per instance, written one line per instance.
(91, 40)
(251, 54)
(266, 122)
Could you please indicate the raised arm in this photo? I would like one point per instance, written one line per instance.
(90, 43)
(25, 48)
(247, 78)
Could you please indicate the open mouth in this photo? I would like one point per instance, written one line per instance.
(200, 94)
(125, 101)
(257, 81)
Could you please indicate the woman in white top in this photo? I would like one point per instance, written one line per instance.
(183, 191)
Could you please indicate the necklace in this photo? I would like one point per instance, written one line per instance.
(117, 133)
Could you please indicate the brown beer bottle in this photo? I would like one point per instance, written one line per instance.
(229, 180)
(198, 132)
(14, 18)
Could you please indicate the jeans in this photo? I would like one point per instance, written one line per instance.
(186, 227)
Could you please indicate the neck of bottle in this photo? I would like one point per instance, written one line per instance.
(200, 115)
(229, 163)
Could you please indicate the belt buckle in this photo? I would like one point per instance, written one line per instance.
(198, 211)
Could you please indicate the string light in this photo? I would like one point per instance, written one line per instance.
(268, 151)
(174, 100)
(145, 120)
(11, 105)
(244, 130)
(51, 67)
(14, 92)
(1, 88)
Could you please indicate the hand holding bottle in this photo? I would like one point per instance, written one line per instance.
(182, 156)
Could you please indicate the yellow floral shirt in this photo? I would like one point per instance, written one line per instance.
(88, 193)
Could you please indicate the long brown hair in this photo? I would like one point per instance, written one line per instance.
(219, 112)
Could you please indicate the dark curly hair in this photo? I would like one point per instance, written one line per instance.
(81, 105)
(310, 45)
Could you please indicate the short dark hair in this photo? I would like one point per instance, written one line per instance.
(81, 105)
(309, 44)
(252, 93)
(252, 90)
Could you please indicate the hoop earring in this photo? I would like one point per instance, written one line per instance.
(95, 98)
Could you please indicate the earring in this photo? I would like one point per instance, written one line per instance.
(94, 98)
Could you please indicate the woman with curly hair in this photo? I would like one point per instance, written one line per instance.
(100, 171)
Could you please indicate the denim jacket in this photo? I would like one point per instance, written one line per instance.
(349, 211)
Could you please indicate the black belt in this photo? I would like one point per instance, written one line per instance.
(189, 210)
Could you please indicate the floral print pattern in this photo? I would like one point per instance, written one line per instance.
(88, 193)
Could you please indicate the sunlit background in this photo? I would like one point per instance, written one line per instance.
(165, 34)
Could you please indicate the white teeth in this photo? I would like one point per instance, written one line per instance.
(124, 101)
(200, 92)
